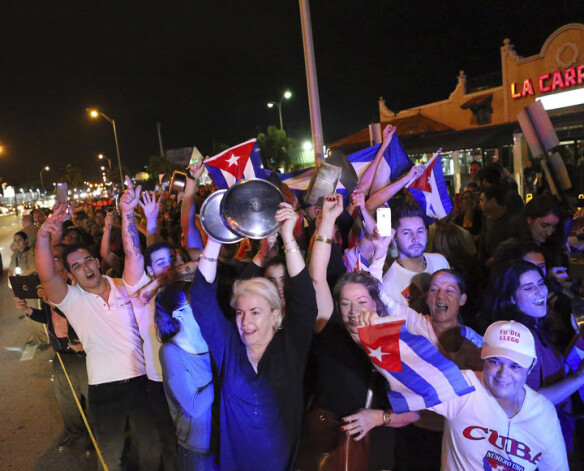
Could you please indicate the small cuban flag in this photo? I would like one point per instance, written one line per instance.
(419, 376)
(237, 163)
(430, 190)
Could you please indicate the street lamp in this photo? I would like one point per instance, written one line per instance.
(45, 169)
(278, 104)
(95, 114)
(109, 162)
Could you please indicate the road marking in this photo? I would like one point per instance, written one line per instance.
(13, 349)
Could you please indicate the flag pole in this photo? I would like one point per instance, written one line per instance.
(313, 99)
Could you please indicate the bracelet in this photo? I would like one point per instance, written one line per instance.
(326, 240)
(208, 258)
(293, 241)
(293, 249)
(189, 174)
(386, 417)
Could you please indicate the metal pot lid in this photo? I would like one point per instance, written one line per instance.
(213, 223)
(248, 208)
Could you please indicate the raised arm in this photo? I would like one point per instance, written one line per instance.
(188, 211)
(208, 261)
(55, 286)
(563, 389)
(368, 176)
(381, 196)
(288, 217)
(134, 261)
(358, 201)
(332, 207)
(151, 207)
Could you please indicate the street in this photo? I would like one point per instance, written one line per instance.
(29, 414)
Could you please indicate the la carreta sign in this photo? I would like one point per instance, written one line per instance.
(549, 82)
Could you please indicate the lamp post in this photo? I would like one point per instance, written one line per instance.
(278, 104)
(45, 169)
(95, 114)
(109, 162)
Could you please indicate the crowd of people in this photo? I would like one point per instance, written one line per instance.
(198, 355)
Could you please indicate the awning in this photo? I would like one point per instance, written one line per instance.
(484, 138)
(477, 102)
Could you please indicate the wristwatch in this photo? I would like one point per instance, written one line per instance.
(387, 417)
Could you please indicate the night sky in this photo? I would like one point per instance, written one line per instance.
(206, 69)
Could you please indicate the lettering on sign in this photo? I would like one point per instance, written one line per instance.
(549, 82)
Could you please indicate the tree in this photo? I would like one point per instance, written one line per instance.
(274, 147)
(72, 176)
(158, 164)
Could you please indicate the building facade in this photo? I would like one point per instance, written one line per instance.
(478, 120)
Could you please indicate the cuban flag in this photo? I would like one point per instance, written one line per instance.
(237, 163)
(394, 164)
(495, 462)
(430, 190)
(417, 373)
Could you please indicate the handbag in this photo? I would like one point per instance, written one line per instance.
(325, 447)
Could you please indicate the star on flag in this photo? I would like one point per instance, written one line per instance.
(377, 353)
(233, 160)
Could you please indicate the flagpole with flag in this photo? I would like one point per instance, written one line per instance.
(430, 190)
(240, 162)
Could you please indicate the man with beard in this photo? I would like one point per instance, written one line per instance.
(99, 309)
(408, 277)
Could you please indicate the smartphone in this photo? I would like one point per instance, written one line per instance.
(62, 192)
(384, 221)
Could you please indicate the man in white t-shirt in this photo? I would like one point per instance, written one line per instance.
(100, 310)
(407, 279)
(503, 424)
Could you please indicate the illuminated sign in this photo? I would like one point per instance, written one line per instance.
(549, 82)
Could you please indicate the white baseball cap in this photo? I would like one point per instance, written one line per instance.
(511, 340)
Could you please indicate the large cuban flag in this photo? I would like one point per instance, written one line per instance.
(419, 376)
(237, 163)
(430, 190)
(394, 164)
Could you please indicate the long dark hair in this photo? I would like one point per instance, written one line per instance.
(499, 303)
(361, 278)
(538, 207)
(165, 304)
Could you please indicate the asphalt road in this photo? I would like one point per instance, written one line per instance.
(29, 414)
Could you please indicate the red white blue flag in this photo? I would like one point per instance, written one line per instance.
(394, 164)
(419, 376)
(430, 190)
(237, 163)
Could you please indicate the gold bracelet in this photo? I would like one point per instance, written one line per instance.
(387, 417)
(208, 258)
(293, 249)
(326, 240)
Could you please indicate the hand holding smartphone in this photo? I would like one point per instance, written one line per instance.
(384, 222)
(62, 193)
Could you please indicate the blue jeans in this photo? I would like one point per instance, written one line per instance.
(188, 460)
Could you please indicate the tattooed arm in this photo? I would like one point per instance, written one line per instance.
(134, 263)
